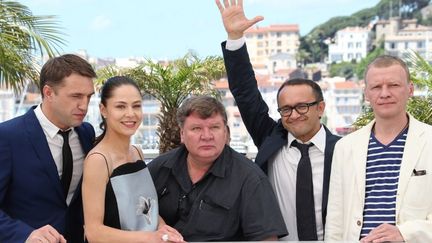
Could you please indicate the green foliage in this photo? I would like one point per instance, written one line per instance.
(420, 71)
(23, 38)
(421, 108)
(364, 118)
(343, 69)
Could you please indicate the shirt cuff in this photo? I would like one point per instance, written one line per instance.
(234, 45)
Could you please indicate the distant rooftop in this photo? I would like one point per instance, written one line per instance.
(273, 28)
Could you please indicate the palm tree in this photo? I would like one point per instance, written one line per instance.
(171, 83)
(23, 38)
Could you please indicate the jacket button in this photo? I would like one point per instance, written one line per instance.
(358, 222)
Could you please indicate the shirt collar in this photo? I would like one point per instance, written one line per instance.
(46, 124)
(319, 139)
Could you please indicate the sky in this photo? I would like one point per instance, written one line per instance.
(168, 29)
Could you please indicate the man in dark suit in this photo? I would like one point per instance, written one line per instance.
(40, 196)
(301, 106)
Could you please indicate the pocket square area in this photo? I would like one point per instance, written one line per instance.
(419, 172)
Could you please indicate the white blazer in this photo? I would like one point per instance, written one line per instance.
(414, 193)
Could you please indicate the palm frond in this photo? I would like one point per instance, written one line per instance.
(24, 40)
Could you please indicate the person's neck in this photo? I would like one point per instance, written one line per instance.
(306, 138)
(117, 144)
(386, 130)
(196, 169)
(46, 111)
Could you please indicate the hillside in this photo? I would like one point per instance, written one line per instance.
(313, 42)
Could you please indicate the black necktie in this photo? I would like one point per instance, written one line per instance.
(305, 206)
(67, 162)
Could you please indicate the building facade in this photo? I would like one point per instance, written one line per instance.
(350, 43)
(266, 44)
(402, 37)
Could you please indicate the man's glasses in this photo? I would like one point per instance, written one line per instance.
(301, 108)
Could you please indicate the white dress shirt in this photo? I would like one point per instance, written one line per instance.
(282, 172)
(55, 143)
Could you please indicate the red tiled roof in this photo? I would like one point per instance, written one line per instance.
(273, 28)
(345, 85)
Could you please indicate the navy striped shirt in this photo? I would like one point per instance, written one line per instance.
(382, 176)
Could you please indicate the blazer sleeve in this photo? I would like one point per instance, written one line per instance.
(243, 85)
(11, 230)
(417, 230)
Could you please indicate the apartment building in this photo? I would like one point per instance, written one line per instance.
(350, 43)
(402, 37)
(274, 46)
(344, 101)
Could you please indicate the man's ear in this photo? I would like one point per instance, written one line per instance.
(48, 92)
(321, 108)
(181, 135)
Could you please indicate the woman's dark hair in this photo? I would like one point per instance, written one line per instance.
(106, 92)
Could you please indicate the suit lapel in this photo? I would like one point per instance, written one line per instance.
(359, 157)
(414, 144)
(37, 138)
(86, 141)
(85, 138)
(277, 139)
(331, 140)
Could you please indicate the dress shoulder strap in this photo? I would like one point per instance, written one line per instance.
(139, 152)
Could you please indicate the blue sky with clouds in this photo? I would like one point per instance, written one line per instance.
(167, 29)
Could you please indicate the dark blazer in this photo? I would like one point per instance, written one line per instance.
(31, 194)
(268, 135)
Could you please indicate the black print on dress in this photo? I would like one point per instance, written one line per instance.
(145, 207)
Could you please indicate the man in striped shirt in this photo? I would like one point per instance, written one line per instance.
(381, 174)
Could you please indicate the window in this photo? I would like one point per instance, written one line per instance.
(420, 44)
(350, 45)
(358, 44)
(279, 43)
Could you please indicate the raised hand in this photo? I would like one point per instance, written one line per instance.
(234, 19)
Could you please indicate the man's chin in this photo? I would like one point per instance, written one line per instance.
(77, 123)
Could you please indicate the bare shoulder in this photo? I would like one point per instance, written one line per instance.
(97, 160)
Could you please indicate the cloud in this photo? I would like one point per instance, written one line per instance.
(100, 22)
